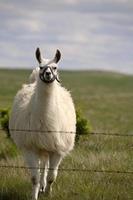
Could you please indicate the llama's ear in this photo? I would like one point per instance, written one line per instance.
(38, 55)
(57, 56)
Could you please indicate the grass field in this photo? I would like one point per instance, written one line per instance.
(107, 101)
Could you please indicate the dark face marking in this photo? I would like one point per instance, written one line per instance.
(54, 68)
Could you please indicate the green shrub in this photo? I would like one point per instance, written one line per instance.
(83, 126)
(7, 149)
(4, 120)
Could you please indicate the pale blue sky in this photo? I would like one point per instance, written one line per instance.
(91, 34)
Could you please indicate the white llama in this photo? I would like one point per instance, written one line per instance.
(42, 117)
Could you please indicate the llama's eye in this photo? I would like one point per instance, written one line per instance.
(41, 67)
(54, 68)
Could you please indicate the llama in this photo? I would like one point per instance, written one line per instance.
(43, 123)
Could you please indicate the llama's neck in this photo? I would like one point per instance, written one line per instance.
(45, 92)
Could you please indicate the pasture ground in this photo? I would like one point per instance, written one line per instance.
(107, 101)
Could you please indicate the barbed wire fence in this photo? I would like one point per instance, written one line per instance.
(71, 132)
(71, 169)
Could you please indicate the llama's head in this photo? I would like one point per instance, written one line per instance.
(48, 68)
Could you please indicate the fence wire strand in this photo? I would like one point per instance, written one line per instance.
(70, 132)
(70, 169)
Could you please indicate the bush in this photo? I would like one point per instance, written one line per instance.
(83, 126)
(8, 149)
(4, 120)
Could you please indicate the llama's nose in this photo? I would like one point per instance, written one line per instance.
(48, 73)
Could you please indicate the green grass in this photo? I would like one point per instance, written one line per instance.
(107, 101)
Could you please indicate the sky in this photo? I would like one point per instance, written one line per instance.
(91, 34)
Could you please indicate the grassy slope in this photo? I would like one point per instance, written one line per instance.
(106, 99)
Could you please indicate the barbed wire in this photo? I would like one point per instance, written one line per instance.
(70, 132)
(93, 96)
(42, 131)
(111, 134)
(69, 169)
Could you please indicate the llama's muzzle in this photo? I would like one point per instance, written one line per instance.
(47, 75)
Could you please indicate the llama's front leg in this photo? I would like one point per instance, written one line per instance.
(33, 162)
(54, 161)
(44, 171)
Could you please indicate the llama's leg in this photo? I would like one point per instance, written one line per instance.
(33, 162)
(54, 161)
(44, 171)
